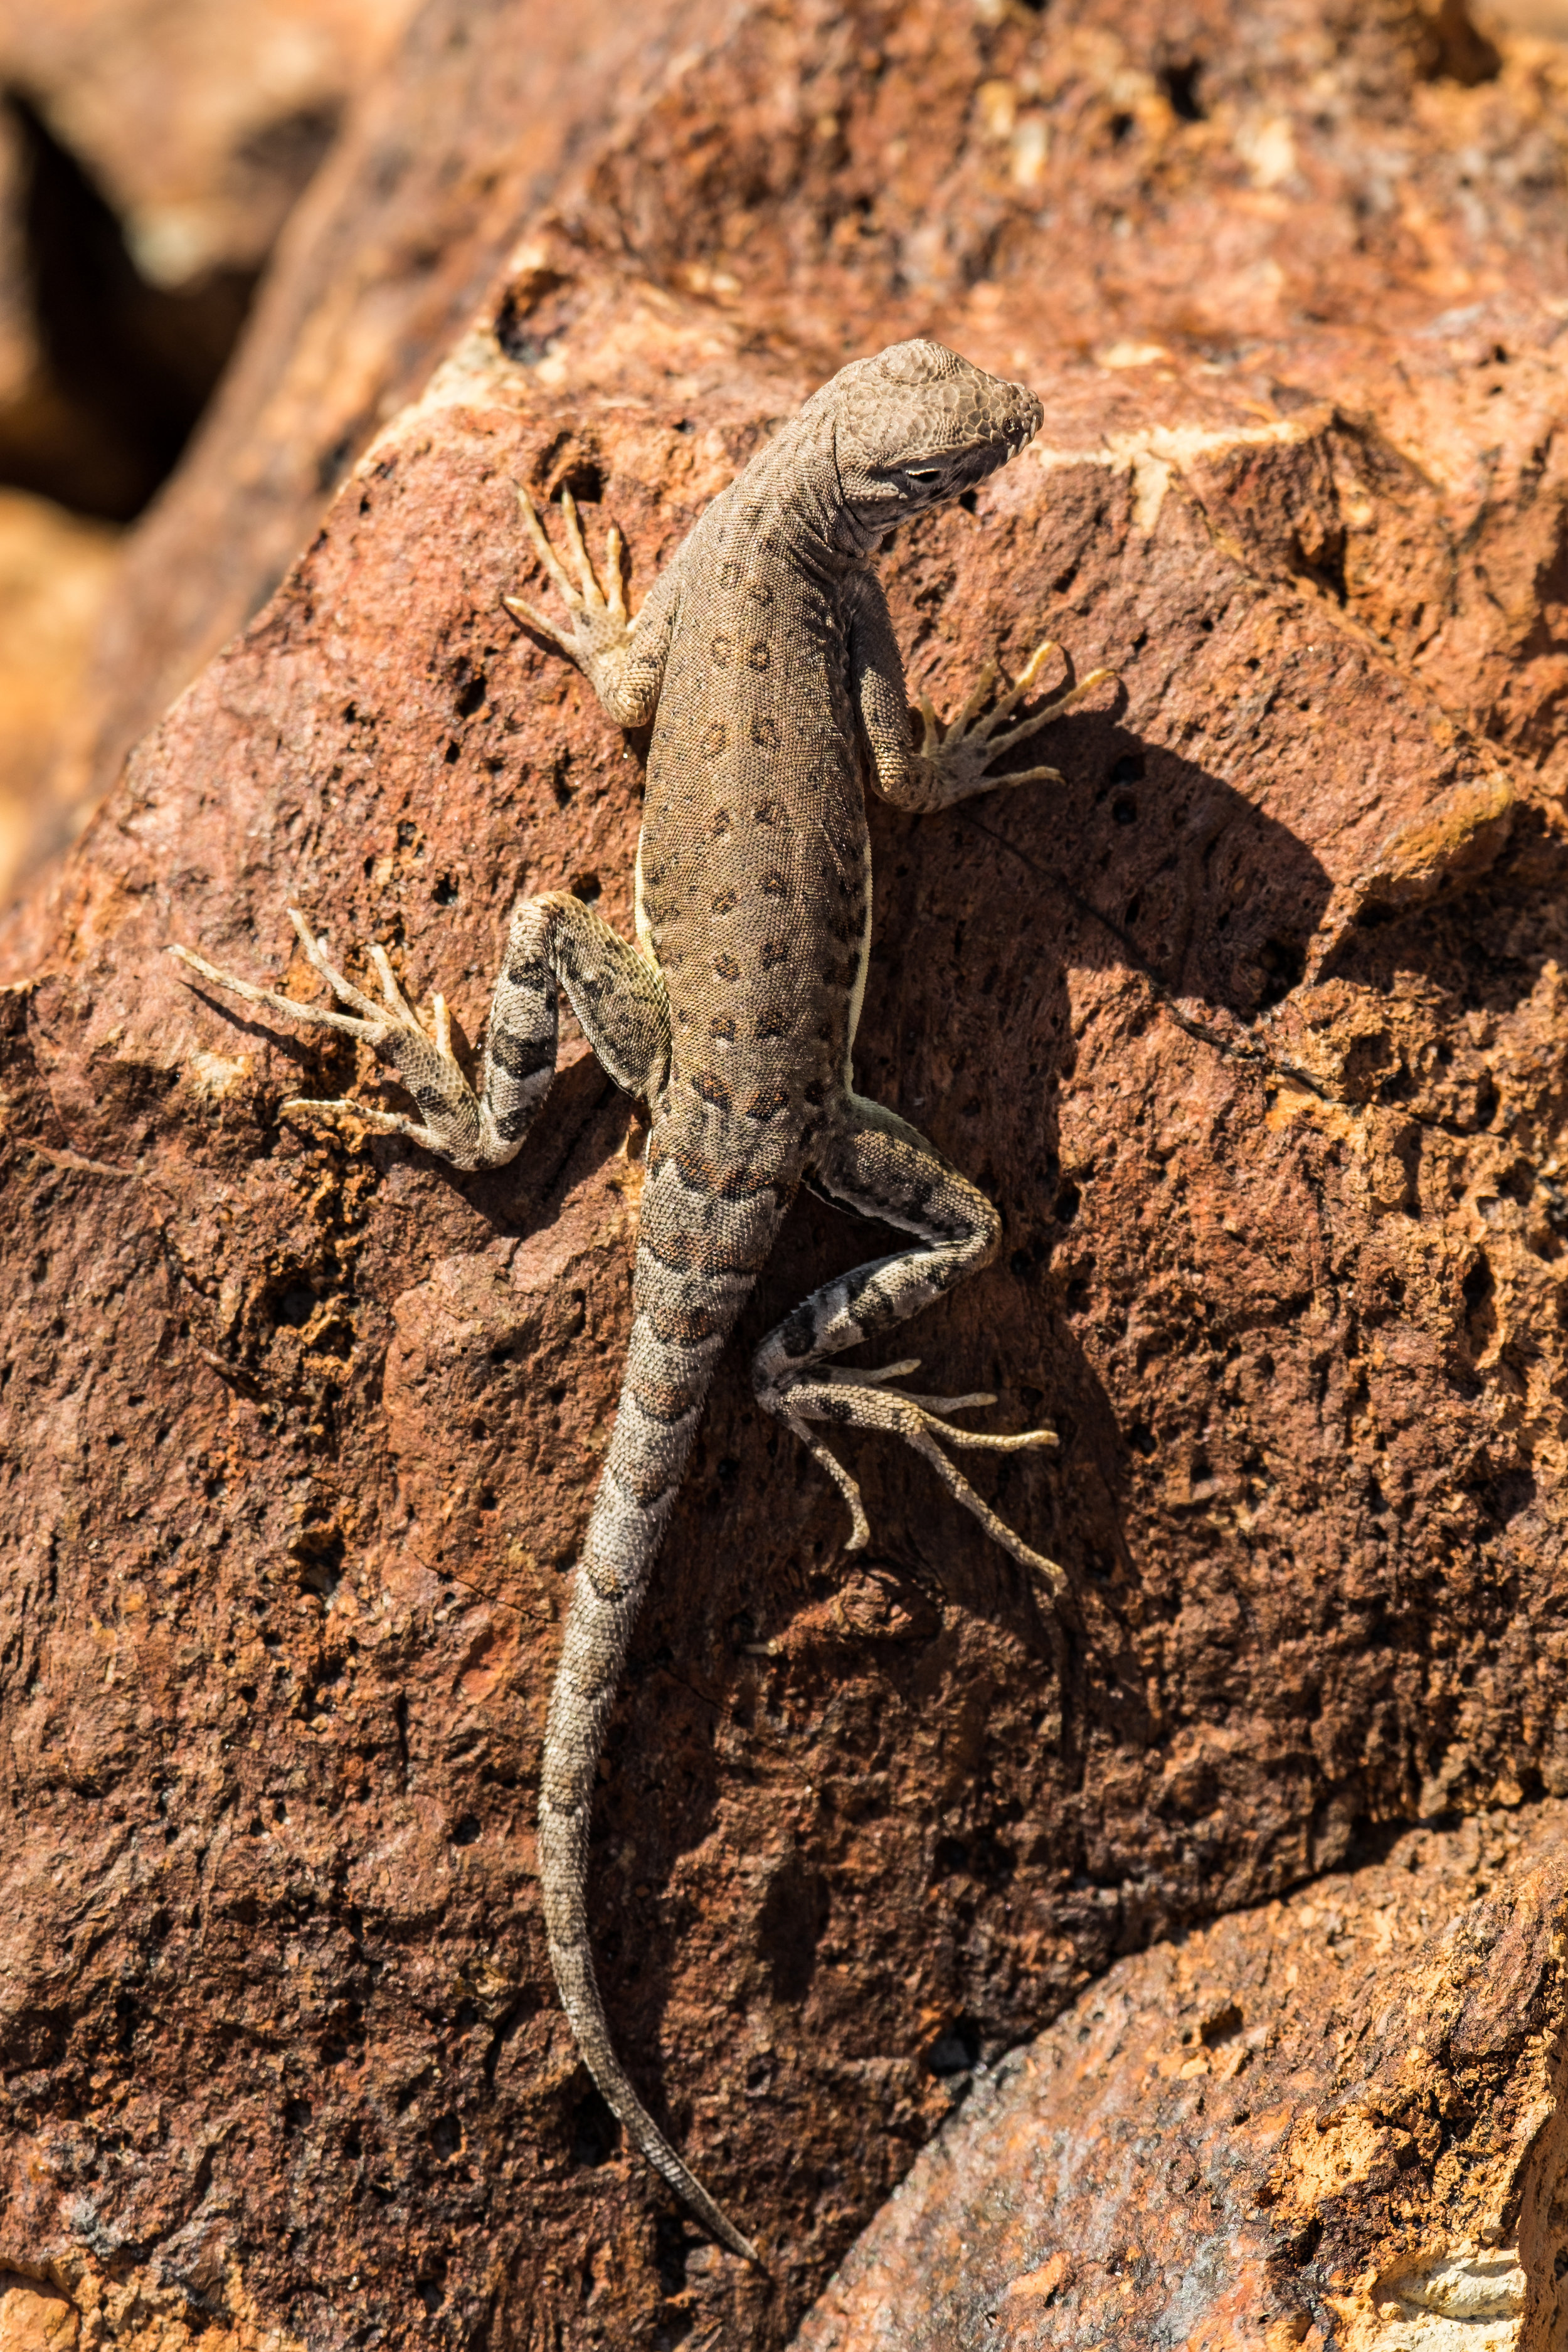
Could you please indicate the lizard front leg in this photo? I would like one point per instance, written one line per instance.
(873, 1161)
(555, 941)
(621, 657)
(952, 761)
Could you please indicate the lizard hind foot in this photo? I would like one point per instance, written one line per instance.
(860, 1399)
(424, 1059)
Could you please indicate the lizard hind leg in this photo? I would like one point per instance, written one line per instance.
(884, 1168)
(555, 942)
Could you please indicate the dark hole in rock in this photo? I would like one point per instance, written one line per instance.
(956, 2050)
(595, 2131)
(674, 2241)
(584, 481)
(1283, 962)
(1180, 85)
(1477, 1285)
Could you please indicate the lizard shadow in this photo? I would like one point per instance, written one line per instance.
(1001, 930)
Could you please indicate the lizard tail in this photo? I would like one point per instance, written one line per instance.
(681, 1323)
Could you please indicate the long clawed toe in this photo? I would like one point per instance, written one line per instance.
(847, 1485)
(586, 601)
(367, 1022)
(865, 1401)
(959, 1488)
(377, 1023)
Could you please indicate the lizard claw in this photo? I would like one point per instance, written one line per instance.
(963, 750)
(588, 601)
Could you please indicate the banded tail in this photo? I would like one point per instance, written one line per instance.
(701, 1246)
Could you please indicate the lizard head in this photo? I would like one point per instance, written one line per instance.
(912, 427)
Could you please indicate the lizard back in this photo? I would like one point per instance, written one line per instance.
(754, 886)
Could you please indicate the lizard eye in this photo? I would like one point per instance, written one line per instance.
(924, 473)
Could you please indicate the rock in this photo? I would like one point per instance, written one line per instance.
(55, 572)
(33, 2319)
(1333, 2120)
(198, 125)
(1251, 1027)
(392, 248)
(149, 155)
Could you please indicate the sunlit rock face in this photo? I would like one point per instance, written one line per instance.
(1251, 1027)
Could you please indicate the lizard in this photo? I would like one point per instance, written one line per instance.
(766, 658)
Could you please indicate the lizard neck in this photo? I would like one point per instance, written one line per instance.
(792, 488)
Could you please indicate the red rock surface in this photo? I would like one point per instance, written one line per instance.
(1252, 1029)
(1333, 2121)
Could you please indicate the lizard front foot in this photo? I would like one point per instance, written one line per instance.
(959, 755)
(599, 626)
(424, 1060)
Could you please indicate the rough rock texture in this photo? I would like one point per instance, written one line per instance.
(1252, 1028)
(1335, 2120)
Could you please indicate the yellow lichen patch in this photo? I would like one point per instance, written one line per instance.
(137, 2314)
(213, 1076)
(1323, 2160)
(1154, 456)
(1037, 2285)
(1460, 835)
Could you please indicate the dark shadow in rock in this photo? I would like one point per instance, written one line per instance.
(1458, 942)
(130, 365)
(1180, 876)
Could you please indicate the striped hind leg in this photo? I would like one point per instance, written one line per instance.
(555, 942)
(875, 1162)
